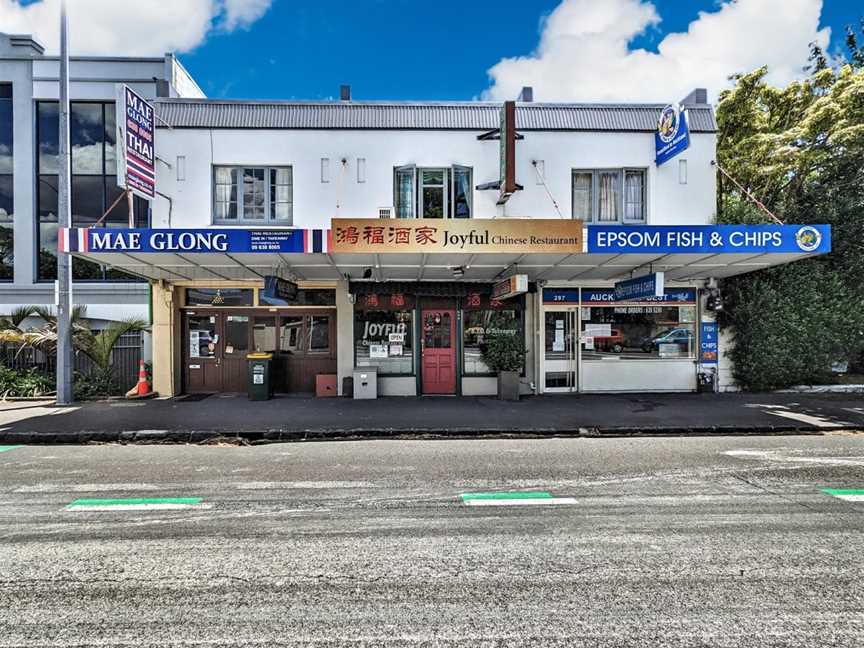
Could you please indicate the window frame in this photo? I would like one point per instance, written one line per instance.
(415, 208)
(621, 201)
(269, 189)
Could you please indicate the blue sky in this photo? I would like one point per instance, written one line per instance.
(404, 49)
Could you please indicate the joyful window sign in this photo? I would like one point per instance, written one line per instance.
(365, 235)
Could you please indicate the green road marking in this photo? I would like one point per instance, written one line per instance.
(8, 448)
(839, 492)
(510, 495)
(136, 501)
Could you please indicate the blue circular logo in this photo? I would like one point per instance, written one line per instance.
(808, 238)
(668, 124)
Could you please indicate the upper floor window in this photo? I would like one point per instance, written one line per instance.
(609, 195)
(253, 195)
(432, 192)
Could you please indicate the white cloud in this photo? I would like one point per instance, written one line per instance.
(584, 52)
(122, 27)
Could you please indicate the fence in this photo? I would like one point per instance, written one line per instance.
(124, 359)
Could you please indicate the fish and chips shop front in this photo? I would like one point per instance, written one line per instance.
(600, 308)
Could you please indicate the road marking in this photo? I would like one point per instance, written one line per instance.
(514, 498)
(86, 488)
(136, 504)
(848, 494)
(303, 485)
(777, 456)
(8, 448)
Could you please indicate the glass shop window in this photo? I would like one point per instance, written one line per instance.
(264, 334)
(383, 339)
(638, 331)
(319, 333)
(478, 327)
(236, 335)
(202, 336)
(291, 333)
(219, 296)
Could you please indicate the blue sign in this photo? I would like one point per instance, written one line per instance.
(708, 343)
(278, 291)
(672, 136)
(711, 239)
(231, 241)
(650, 285)
(606, 296)
(561, 296)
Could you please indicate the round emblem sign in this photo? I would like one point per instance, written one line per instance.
(667, 126)
(808, 238)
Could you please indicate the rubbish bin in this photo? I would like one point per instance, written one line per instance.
(706, 382)
(260, 385)
(365, 382)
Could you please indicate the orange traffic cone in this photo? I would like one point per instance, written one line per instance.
(143, 385)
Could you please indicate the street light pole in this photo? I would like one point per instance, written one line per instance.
(64, 259)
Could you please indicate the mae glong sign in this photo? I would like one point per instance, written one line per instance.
(509, 235)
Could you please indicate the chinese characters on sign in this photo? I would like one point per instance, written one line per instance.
(481, 235)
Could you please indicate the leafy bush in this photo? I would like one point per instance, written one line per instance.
(99, 383)
(24, 384)
(505, 352)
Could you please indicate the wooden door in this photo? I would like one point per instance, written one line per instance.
(202, 356)
(235, 346)
(439, 351)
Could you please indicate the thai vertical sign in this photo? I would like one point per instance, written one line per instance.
(136, 160)
(672, 136)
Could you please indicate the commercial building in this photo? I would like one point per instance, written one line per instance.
(28, 171)
(393, 235)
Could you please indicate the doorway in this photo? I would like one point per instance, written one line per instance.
(215, 351)
(561, 354)
(438, 351)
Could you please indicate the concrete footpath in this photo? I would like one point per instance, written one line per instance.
(298, 418)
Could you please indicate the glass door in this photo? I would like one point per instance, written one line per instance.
(561, 354)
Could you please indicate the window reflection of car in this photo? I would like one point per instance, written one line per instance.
(681, 337)
(613, 343)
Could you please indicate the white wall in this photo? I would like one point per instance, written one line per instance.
(315, 203)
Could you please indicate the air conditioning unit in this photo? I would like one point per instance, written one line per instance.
(386, 212)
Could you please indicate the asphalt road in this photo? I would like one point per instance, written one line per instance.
(654, 542)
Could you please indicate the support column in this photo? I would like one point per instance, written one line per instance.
(344, 334)
(166, 340)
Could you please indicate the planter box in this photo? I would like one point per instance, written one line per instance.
(508, 385)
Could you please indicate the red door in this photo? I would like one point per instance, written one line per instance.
(439, 351)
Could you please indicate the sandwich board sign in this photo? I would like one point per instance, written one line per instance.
(136, 159)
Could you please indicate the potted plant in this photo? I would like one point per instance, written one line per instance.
(504, 353)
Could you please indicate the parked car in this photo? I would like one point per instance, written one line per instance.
(681, 337)
(613, 343)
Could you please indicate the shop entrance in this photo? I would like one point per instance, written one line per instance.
(561, 357)
(216, 343)
(438, 351)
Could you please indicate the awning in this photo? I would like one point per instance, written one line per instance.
(607, 253)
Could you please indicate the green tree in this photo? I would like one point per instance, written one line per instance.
(799, 149)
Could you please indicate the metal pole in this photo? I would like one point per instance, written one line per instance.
(64, 259)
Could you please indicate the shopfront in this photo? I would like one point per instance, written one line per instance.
(222, 325)
(429, 338)
(593, 343)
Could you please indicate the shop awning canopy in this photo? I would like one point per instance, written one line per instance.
(200, 255)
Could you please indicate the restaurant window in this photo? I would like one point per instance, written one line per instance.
(264, 334)
(383, 334)
(482, 318)
(319, 333)
(648, 330)
(94, 184)
(253, 195)
(7, 197)
(609, 196)
(433, 192)
(219, 297)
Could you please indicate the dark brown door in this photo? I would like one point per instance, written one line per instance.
(235, 346)
(202, 355)
(439, 351)
(307, 347)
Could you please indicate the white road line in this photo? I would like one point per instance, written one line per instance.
(310, 485)
(137, 507)
(849, 498)
(816, 421)
(535, 501)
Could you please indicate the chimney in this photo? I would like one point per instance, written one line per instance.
(527, 94)
(345, 93)
(699, 96)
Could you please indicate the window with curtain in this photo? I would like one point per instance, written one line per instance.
(610, 196)
(253, 195)
(438, 192)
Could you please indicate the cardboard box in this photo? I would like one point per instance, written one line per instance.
(325, 386)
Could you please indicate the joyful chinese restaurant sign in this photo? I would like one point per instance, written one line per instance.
(433, 235)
